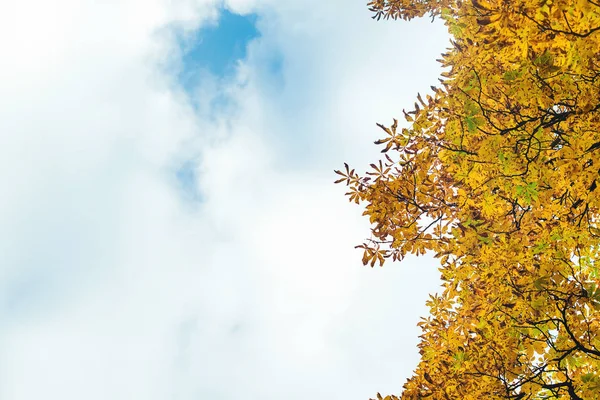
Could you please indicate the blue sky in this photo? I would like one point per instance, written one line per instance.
(218, 47)
(215, 49)
(174, 233)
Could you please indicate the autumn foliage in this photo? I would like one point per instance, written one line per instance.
(497, 172)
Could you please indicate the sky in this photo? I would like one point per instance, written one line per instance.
(169, 226)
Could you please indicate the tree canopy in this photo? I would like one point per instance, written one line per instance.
(496, 173)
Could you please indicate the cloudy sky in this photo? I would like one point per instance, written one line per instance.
(169, 229)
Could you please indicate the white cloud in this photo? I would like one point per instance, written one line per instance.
(111, 286)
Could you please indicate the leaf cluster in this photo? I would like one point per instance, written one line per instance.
(496, 171)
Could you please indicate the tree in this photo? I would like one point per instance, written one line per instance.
(496, 173)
